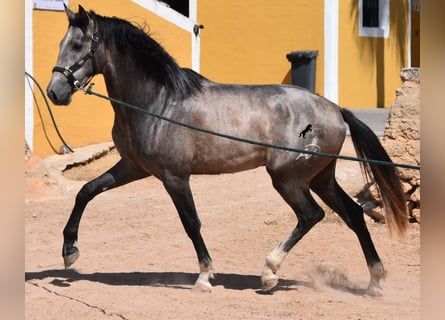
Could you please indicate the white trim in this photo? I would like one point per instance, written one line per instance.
(56, 5)
(331, 13)
(178, 20)
(196, 39)
(196, 52)
(193, 10)
(29, 102)
(383, 30)
(409, 36)
(167, 13)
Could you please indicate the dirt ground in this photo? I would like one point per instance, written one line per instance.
(136, 261)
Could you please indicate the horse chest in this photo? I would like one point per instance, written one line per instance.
(144, 147)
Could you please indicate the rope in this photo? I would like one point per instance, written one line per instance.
(89, 91)
(53, 120)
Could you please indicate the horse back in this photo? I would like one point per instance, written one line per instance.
(271, 114)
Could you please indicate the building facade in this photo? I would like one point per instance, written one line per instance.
(362, 47)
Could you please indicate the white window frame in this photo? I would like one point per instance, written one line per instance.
(382, 31)
(185, 23)
(56, 5)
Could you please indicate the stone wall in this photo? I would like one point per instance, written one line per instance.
(402, 136)
(402, 142)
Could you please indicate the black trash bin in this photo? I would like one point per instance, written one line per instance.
(303, 68)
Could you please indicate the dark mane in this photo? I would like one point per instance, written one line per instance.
(150, 56)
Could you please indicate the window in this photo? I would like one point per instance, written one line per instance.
(374, 18)
(182, 6)
(370, 14)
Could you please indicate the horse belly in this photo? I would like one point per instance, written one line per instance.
(229, 158)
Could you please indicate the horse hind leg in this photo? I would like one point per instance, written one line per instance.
(327, 188)
(308, 212)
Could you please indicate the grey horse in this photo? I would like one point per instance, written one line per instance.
(140, 72)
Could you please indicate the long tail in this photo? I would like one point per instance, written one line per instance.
(368, 146)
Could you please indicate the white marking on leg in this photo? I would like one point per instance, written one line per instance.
(202, 284)
(275, 258)
(269, 279)
(377, 273)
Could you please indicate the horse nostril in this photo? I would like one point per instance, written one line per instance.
(52, 96)
(59, 99)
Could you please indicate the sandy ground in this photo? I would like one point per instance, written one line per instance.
(136, 261)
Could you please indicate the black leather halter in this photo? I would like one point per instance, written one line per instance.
(68, 72)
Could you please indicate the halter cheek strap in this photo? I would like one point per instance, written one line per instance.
(68, 72)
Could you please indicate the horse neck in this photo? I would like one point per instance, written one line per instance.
(146, 75)
(125, 81)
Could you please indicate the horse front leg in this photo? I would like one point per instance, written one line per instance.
(179, 191)
(120, 174)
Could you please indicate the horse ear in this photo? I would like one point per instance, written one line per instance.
(82, 10)
(69, 13)
(85, 18)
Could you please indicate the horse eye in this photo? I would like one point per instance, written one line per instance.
(77, 46)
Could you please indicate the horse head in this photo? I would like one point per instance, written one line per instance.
(77, 60)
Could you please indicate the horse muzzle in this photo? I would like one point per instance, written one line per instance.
(59, 94)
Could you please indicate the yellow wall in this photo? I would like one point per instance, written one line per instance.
(369, 68)
(89, 119)
(242, 42)
(247, 41)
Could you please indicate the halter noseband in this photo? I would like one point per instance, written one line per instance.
(68, 72)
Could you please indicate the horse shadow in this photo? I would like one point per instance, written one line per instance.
(176, 280)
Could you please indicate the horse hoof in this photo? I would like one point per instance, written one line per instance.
(202, 286)
(269, 280)
(374, 291)
(71, 258)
